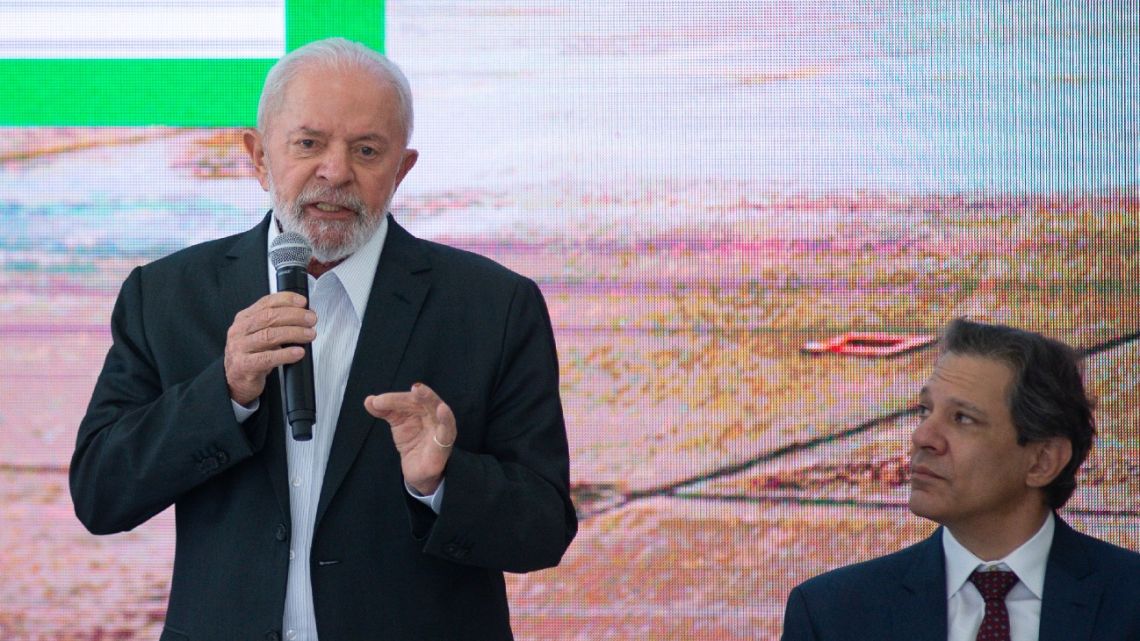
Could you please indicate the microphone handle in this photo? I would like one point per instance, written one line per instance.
(300, 397)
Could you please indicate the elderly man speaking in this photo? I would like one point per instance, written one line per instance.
(438, 456)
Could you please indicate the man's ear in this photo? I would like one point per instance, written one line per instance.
(1050, 456)
(406, 164)
(254, 146)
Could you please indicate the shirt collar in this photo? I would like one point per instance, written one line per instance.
(1028, 561)
(356, 272)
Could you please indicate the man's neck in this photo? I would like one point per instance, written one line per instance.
(316, 268)
(991, 539)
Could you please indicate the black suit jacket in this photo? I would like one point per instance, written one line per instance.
(160, 430)
(1092, 593)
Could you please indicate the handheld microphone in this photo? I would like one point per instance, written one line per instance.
(290, 254)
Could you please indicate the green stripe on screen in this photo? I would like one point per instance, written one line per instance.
(309, 20)
(131, 92)
(186, 92)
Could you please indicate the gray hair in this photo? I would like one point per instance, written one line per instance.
(337, 54)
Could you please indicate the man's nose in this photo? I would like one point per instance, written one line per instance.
(335, 167)
(928, 435)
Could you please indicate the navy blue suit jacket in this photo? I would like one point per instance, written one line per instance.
(160, 430)
(1092, 593)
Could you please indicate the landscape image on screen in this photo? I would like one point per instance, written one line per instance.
(749, 221)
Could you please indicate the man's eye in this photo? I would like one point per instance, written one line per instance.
(367, 152)
(965, 419)
(923, 411)
(306, 143)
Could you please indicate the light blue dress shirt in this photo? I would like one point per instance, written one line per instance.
(339, 298)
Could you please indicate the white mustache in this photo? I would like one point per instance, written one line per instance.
(332, 197)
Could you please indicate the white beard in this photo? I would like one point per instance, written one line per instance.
(331, 241)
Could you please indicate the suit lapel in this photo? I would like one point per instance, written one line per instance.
(398, 292)
(244, 278)
(1072, 589)
(920, 609)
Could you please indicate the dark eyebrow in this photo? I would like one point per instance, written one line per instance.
(924, 396)
(966, 405)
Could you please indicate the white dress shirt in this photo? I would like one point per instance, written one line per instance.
(339, 298)
(965, 608)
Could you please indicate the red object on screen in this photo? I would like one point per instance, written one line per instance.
(869, 344)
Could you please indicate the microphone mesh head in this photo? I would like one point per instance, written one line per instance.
(290, 249)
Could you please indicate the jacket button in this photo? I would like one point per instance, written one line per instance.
(280, 534)
(456, 551)
(222, 458)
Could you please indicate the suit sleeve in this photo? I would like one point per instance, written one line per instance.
(143, 441)
(507, 506)
(797, 619)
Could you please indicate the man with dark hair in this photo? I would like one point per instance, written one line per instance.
(438, 458)
(1004, 425)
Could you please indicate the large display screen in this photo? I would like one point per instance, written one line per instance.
(749, 219)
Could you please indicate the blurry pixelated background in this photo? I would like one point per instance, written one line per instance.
(701, 188)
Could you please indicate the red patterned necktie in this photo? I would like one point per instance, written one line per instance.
(994, 585)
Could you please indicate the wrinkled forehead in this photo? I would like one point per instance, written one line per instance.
(336, 92)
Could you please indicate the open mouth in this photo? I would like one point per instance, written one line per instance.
(324, 208)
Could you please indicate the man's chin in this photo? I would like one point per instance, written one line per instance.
(329, 242)
(333, 240)
(331, 254)
(921, 505)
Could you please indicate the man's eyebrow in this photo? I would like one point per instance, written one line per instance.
(365, 137)
(924, 396)
(369, 137)
(966, 405)
(307, 131)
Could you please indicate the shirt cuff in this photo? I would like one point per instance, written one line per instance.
(433, 500)
(241, 412)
